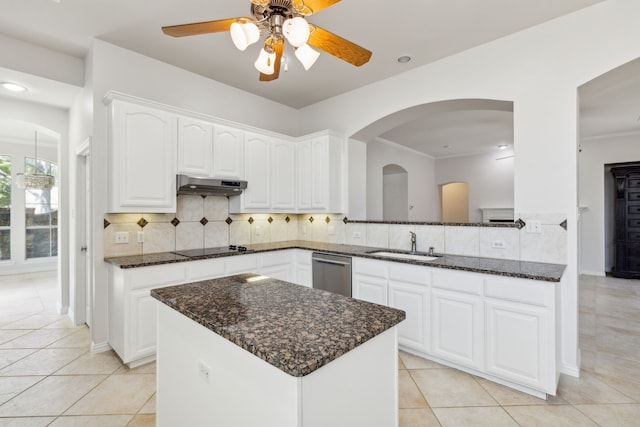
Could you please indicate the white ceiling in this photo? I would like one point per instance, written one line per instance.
(427, 30)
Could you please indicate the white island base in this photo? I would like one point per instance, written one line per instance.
(205, 380)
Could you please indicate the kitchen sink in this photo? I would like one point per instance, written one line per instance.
(405, 255)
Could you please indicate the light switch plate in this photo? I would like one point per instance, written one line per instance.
(122, 237)
(534, 227)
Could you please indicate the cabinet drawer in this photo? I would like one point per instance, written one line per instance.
(206, 269)
(634, 209)
(157, 275)
(409, 274)
(370, 267)
(241, 264)
(520, 290)
(277, 258)
(633, 196)
(458, 281)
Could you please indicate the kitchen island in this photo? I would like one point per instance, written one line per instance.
(249, 350)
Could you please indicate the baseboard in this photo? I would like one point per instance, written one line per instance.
(593, 273)
(100, 347)
(62, 309)
(571, 370)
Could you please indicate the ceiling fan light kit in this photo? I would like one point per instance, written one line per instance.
(282, 20)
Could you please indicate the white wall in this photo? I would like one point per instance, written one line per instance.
(356, 194)
(490, 180)
(539, 69)
(419, 168)
(595, 154)
(116, 69)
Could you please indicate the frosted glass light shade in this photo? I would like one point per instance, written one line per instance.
(307, 56)
(265, 62)
(244, 34)
(296, 30)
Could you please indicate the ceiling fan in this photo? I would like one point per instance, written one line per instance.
(282, 20)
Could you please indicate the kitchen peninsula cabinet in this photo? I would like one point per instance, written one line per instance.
(501, 328)
(140, 137)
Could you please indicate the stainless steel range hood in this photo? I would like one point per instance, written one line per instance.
(209, 186)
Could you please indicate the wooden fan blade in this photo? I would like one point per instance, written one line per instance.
(317, 5)
(200, 27)
(278, 48)
(338, 47)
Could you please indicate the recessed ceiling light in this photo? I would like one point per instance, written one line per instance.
(502, 146)
(13, 87)
(403, 59)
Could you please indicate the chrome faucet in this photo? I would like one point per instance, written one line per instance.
(413, 242)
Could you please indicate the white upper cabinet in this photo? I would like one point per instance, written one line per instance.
(228, 152)
(270, 174)
(319, 174)
(257, 163)
(283, 176)
(195, 147)
(142, 159)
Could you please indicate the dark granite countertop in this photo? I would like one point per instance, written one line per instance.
(500, 267)
(296, 329)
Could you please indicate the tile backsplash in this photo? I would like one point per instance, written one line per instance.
(205, 222)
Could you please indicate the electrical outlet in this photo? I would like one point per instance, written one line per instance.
(356, 235)
(257, 230)
(140, 236)
(534, 227)
(122, 237)
(332, 230)
(203, 371)
(304, 229)
(498, 244)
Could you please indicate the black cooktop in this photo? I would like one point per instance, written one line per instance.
(192, 253)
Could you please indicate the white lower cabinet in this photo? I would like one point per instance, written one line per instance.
(501, 328)
(457, 327)
(369, 280)
(278, 265)
(304, 275)
(143, 331)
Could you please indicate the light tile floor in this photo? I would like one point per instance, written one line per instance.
(48, 377)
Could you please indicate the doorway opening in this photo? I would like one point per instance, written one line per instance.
(455, 202)
(395, 193)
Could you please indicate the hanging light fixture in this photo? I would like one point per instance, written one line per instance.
(35, 181)
(283, 23)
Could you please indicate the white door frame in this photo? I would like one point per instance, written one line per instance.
(82, 247)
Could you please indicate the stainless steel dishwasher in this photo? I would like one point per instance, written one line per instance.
(331, 272)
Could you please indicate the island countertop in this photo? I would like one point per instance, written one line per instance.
(296, 329)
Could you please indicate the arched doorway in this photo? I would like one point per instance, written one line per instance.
(395, 193)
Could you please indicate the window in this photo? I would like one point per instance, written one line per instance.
(5, 208)
(41, 213)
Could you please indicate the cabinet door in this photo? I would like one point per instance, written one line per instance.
(143, 325)
(303, 175)
(457, 327)
(195, 147)
(412, 332)
(519, 344)
(257, 172)
(369, 288)
(228, 152)
(303, 265)
(143, 160)
(283, 178)
(319, 173)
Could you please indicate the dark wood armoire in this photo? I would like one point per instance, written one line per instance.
(627, 214)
